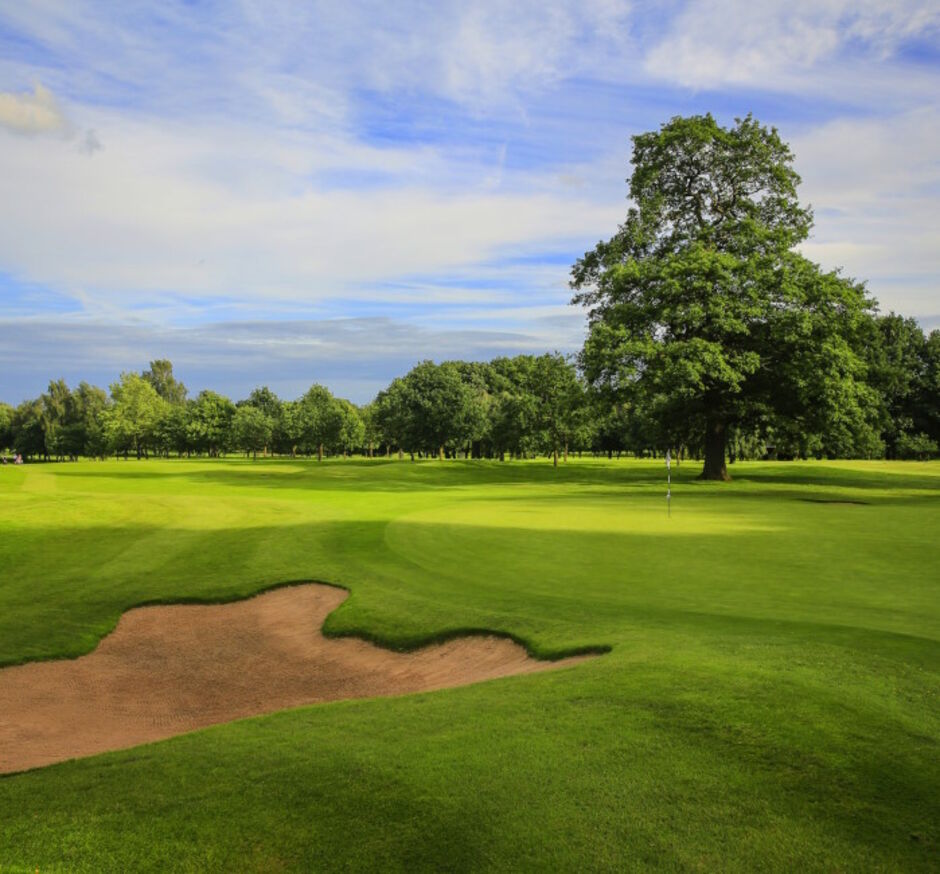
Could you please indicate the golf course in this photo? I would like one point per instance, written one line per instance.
(757, 688)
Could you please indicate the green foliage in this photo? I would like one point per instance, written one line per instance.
(160, 376)
(6, 426)
(352, 429)
(252, 428)
(28, 435)
(209, 423)
(170, 433)
(321, 420)
(131, 421)
(903, 374)
(266, 401)
(701, 313)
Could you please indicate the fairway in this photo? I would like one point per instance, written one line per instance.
(768, 700)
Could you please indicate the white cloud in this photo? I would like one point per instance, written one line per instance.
(775, 43)
(231, 211)
(272, 154)
(35, 112)
(873, 183)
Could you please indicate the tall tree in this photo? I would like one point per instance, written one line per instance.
(700, 310)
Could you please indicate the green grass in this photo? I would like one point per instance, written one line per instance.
(769, 700)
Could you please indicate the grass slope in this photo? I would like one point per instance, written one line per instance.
(769, 700)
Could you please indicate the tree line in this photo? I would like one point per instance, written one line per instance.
(709, 334)
(509, 408)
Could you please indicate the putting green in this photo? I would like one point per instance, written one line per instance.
(769, 700)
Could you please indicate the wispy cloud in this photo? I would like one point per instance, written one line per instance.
(774, 44)
(438, 165)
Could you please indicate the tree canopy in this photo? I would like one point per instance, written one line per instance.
(702, 314)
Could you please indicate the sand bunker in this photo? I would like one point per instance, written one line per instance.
(168, 670)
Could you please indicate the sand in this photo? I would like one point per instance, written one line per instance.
(171, 669)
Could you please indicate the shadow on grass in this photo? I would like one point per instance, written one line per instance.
(402, 604)
(610, 479)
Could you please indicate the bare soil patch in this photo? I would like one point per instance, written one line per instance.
(168, 670)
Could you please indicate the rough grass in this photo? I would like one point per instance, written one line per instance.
(769, 700)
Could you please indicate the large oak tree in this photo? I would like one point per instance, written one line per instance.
(702, 313)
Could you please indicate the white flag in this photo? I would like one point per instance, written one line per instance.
(668, 459)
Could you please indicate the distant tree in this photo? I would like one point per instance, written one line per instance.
(322, 419)
(265, 400)
(352, 429)
(58, 419)
(209, 424)
(392, 416)
(289, 428)
(559, 402)
(6, 426)
(928, 404)
(28, 436)
(513, 421)
(170, 434)
(895, 350)
(441, 409)
(251, 429)
(372, 435)
(700, 310)
(160, 376)
(130, 421)
(89, 404)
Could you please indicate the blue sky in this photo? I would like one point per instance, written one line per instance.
(287, 193)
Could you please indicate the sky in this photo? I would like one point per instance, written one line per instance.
(281, 193)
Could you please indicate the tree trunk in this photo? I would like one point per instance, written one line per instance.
(319, 452)
(440, 453)
(716, 438)
(555, 457)
(566, 452)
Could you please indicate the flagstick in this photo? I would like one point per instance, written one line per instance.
(668, 484)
